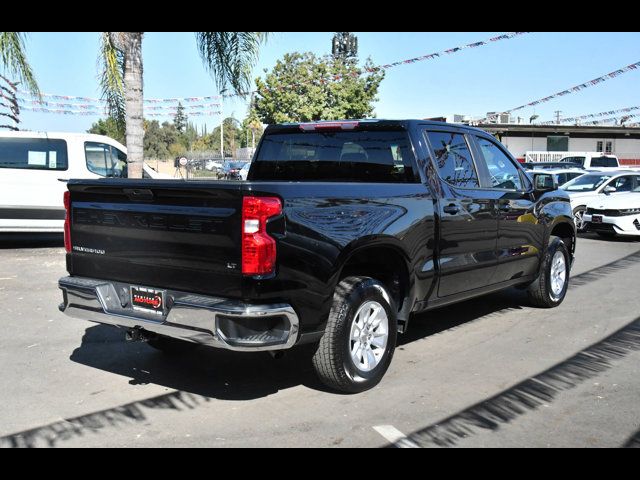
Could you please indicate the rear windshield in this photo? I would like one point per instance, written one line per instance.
(33, 153)
(576, 160)
(604, 162)
(354, 156)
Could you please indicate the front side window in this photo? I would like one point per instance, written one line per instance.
(503, 173)
(104, 160)
(33, 154)
(453, 159)
(623, 184)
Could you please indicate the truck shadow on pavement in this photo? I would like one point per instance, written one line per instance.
(634, 441)
(532, 393)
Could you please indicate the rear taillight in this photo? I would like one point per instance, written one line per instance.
(258, 248)
(67, 221)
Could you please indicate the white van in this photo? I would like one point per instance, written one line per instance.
(34, 169)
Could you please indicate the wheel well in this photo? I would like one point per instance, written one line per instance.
(384, 264)
(566, 234)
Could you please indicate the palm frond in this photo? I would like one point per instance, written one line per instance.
(111, 68)
(13, 60)
(230, 57)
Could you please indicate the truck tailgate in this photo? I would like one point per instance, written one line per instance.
(166, 234)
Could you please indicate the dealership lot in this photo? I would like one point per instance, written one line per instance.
(488, 372)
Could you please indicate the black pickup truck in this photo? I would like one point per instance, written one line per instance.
(341, 233)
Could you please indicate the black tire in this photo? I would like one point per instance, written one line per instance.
(579, 211)
(332, 360)
(171, 346)
(540, 291)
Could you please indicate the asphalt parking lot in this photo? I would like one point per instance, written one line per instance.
(488, 372)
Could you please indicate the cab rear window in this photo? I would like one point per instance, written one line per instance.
(33, 154)
(335, 156)
(604, 162)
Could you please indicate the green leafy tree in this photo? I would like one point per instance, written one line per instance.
(180, 119)
(303, 87)
(161, 141)
(229, 56)
(232, 137)
(109, 127)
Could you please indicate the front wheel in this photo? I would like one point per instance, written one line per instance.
(360, 337)
(578, 218)
(550, 288)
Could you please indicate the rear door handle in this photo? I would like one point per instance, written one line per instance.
(451, 209)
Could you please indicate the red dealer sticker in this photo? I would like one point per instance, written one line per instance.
(147, 300)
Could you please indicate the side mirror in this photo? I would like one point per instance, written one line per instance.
(544, 182)
(609, 189)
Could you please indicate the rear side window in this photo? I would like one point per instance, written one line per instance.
(105, 160)
(342, 156)
(453, 159)
(33, 154)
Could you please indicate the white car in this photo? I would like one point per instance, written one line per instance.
(34, 169)
(593, 186)
(244, 171)
(614, 215)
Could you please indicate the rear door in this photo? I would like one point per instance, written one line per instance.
(520, 237)
(468, 217)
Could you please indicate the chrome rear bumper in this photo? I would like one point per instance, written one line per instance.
(212, 321)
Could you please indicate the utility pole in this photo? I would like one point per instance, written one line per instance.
(558, 112)
(222, 135)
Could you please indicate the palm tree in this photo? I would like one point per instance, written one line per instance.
(13, 60)
(228, 56)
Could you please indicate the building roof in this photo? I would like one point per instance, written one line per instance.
(606, 131)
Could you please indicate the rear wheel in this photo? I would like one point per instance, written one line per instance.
(171, 346)
(360, 337)
(550, 288)
(578, 218)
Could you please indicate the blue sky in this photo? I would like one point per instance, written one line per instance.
(499, 76)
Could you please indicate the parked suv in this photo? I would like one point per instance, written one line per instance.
(341, 234)
(594, 186)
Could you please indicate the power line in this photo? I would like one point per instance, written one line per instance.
(387, 66)
(593, 115)
(582, 86)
